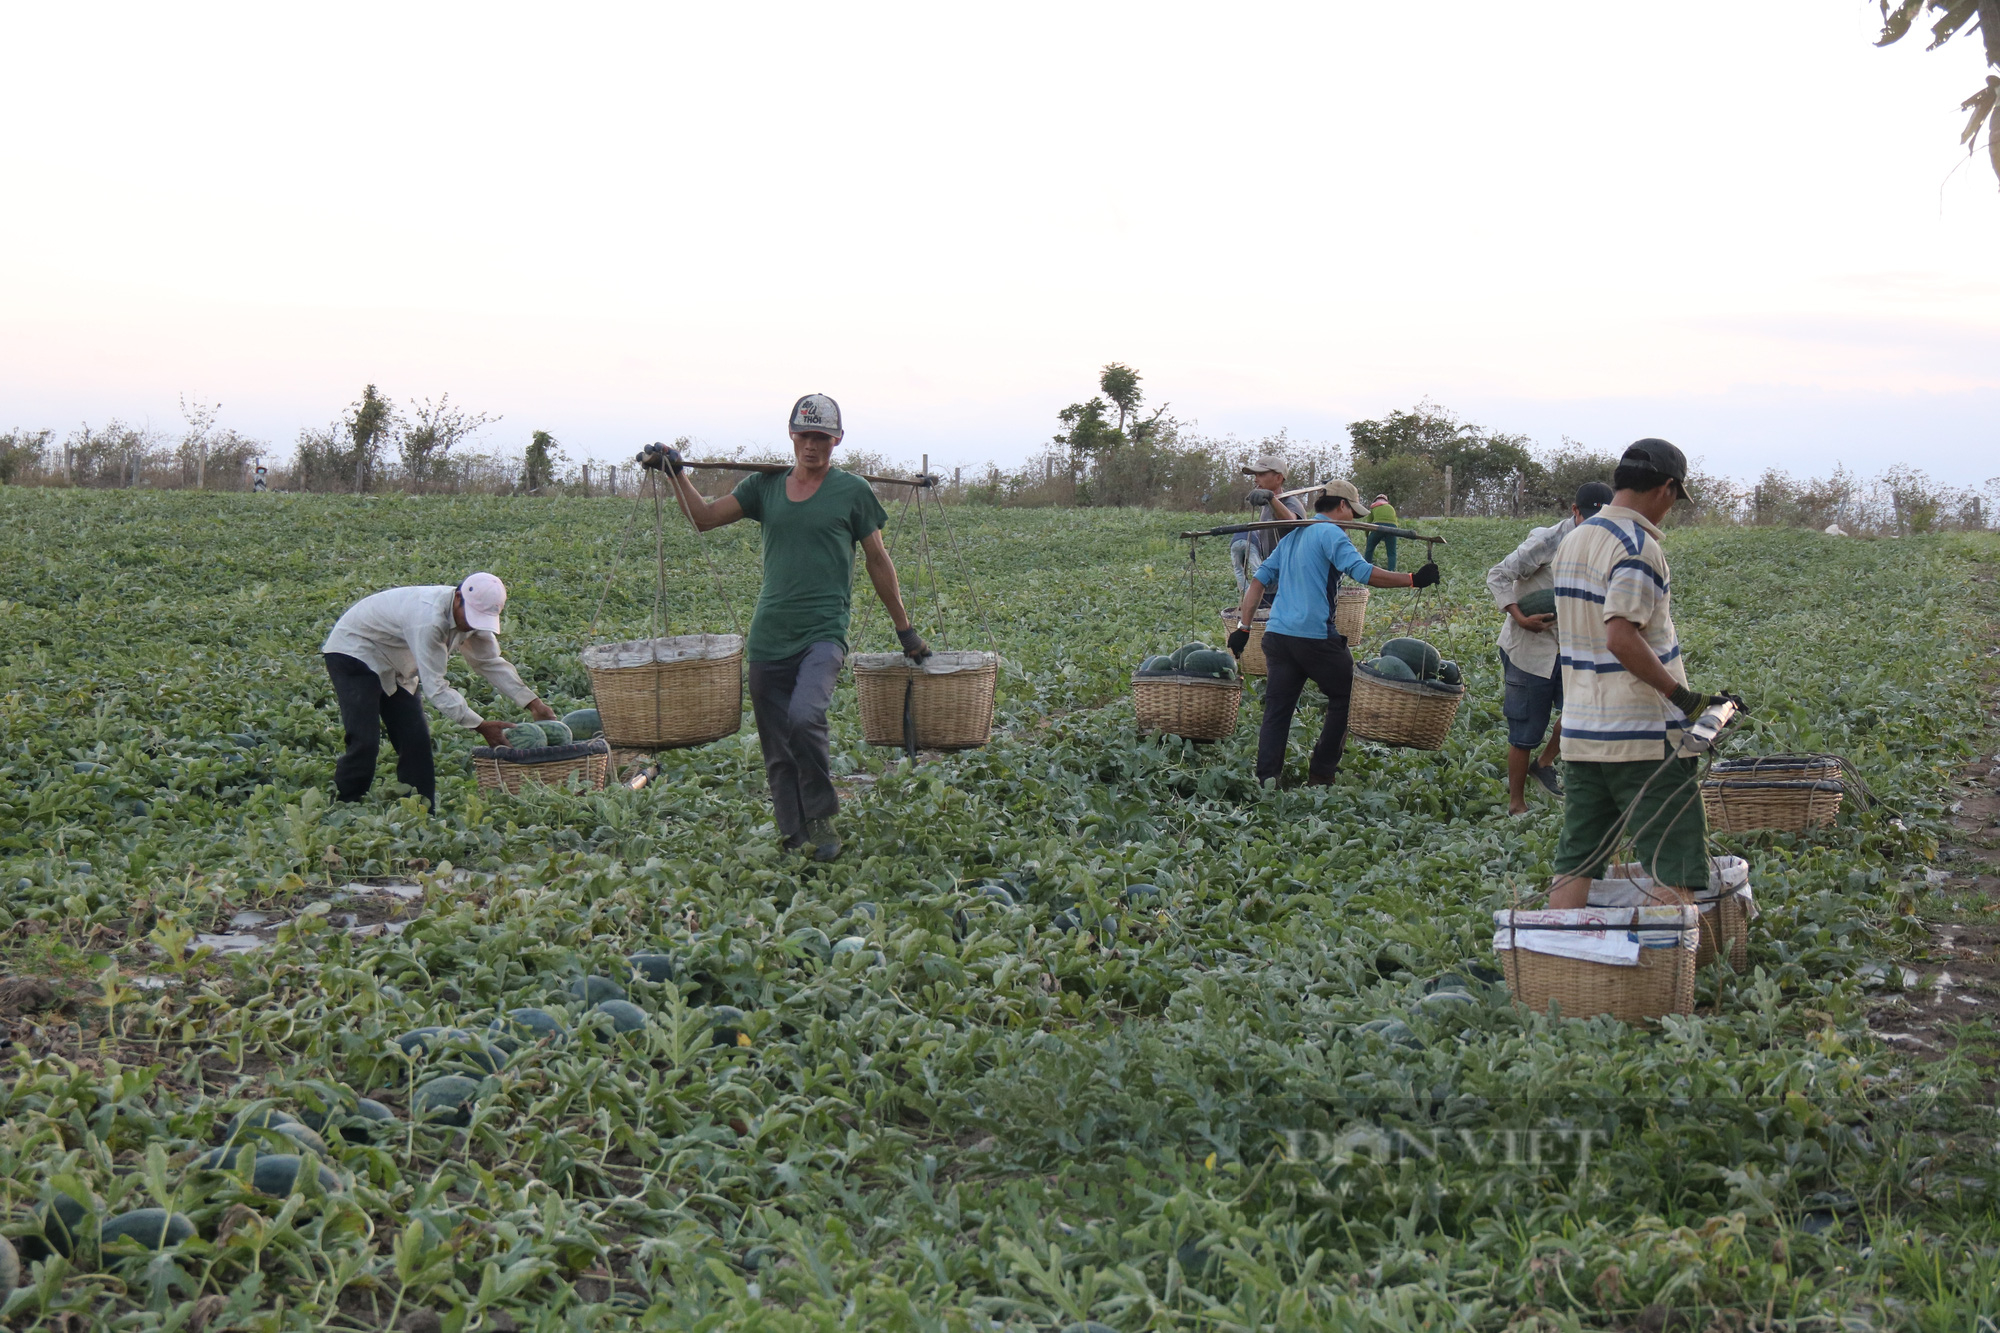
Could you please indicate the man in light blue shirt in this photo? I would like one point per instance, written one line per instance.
(1300, 641)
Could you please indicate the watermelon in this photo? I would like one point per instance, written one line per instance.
(451, 1044)
(1138, 893)
(555, 733)
(1179, 655)
(583, 724)
(1448, 673)
(1420, 657)
(152, 1228)
(518, 1025)
(1158, 665)
(525, 736)
(1209, 664)
(595, 990)
(10, 1268)
(62, 1224)
(624, 1015)
(996, 892)
(810, 940)
(288, 1127)
(1390, 668)
(728, 1022)
(1392, 1030)
(447, 1099)
(657, 968)
(849, 944)
(276, 1173)
(1539, 603)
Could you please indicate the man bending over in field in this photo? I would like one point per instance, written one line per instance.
(813, 516)
(1625, 692)
(386, 647)
(1300, 641)
(1533, 683)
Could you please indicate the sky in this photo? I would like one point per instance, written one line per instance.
(1745, 229)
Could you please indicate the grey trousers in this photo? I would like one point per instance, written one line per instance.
(789, 699)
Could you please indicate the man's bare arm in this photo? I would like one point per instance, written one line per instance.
(882, 573)
(702, 512)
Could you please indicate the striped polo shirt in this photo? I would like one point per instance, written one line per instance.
(1613, 566)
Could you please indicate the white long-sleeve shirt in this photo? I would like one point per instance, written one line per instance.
(407, 636)
(1528, 569)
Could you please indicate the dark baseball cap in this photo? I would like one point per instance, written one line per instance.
(1658, 456)
(1591, 497)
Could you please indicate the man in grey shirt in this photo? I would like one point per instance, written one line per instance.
(1530, 671)
(1251, 549)
(387, 648)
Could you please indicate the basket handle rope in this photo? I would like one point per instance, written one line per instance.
(708, 558)
(611, 565)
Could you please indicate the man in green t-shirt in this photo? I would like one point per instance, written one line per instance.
(1381, 511)
(813, 516)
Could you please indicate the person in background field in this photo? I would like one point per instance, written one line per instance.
(813, 516)
(1249, 550)
(1300, 641)
(387, 647)
(1528, 650)
(1625, 693)
(1381, 511)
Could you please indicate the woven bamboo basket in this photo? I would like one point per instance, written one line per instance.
(659, 694)
(1350, 612)
(1252, 661)
(1725, 932)
(587, 761)
(1660, 983)
(949, 698)
(1402, 712)
(1745, 805)
(1191, 707)
(1781, 768)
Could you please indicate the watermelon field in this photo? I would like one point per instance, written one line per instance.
(1219, 1058)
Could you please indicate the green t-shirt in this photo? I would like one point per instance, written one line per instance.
(808, 559)
(1383, 514)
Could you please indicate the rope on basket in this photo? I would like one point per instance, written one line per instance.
(611, 565)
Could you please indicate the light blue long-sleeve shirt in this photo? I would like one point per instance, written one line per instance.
(1302, 566)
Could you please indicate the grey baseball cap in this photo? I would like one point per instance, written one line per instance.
(816, 412)
(1266, 463)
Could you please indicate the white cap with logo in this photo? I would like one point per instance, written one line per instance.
(485, 598)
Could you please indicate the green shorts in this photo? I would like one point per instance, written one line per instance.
(1667, 832)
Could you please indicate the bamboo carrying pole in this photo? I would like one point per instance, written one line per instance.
(925, 479)
(1354, 525)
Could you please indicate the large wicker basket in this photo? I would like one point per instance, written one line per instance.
(657, 694)
(1350, 615)
(1402, 712)
(1252, 661)
(949, 699)
(589, 762)
(1660, 983)
(1725, 905)
(1745, 805)
(1781, 768)
(1187, 706)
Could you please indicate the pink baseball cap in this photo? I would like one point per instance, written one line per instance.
(485, 598)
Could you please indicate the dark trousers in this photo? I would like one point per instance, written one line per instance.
(789, 698)
(365, 713)
(1292, 662)
(1377, 539)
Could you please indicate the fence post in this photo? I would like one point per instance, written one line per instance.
(586, 481)
(1447, 490)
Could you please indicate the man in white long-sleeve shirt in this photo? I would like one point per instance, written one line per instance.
(1528, 650)
(392, 647)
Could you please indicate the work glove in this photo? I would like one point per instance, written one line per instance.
(1692, 702)
(657, 457)
(913, 643)
(1427, 576)
(1260, 496)
(1238, 641)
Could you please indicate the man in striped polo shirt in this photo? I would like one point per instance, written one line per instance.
(1625, 692)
